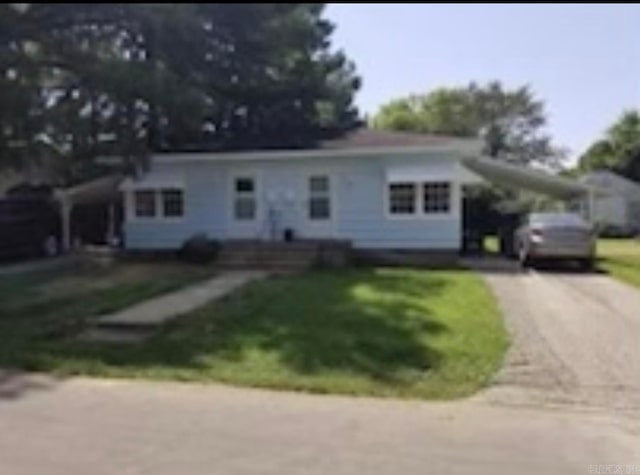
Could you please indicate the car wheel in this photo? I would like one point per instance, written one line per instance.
(587, 264)
(523, 258)
(51, 246)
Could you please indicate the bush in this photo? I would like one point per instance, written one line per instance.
(615, 231)
(199, 249)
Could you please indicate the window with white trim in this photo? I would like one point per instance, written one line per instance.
(172, 203)
(144, 202)
(158, 203)
(436, 197)
(319, 207)
(402, 199)
(244, 202)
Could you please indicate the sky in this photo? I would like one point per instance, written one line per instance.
(582, 60)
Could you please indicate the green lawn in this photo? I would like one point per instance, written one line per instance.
(384, 332)
(621, 259)
(491, 244)
(44, 308)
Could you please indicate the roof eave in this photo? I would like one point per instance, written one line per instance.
(460, 147)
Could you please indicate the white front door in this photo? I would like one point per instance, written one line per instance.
(319, 206)
(244, 211)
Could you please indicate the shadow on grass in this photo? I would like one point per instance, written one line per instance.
(366, 323)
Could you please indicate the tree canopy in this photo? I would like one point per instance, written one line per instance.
(618, 150)
(82, 80)
(511, 121)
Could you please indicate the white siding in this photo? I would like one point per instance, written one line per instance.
(622, 206)
(358, 198)
(611, 210)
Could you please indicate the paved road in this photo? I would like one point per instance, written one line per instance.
(95, 427)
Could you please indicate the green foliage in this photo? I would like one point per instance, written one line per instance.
(82, 80)
(442, 111)
(199, 249)
(510, 121)
(619, 150)
(621, 259)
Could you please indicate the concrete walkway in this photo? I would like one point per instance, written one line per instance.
(158, 310)
(102, 427)
(136, 322)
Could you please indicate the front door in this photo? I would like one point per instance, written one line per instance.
(319, 212)
(244, 210)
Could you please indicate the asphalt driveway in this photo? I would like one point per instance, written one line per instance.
(575, 339)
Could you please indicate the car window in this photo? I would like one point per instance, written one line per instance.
(557, 219)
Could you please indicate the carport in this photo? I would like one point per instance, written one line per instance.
(534, 180)
(101, 191)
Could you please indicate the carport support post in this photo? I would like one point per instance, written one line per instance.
(66, 207)
(111, 223)
(591, 206)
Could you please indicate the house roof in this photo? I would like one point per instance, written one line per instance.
(370, 138)
(100, 190)
(360, 142)
(613, 182)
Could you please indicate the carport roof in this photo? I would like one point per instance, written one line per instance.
(100, 190)
(527, 178)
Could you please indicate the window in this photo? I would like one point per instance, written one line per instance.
(172, 203)
(165, 203)
(245, 185)
(244, 204)
(319, 198)
(436, 197)
(145, 203)
(402, 198)
(419, 199)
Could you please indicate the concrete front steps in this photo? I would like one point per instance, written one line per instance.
(283, 256)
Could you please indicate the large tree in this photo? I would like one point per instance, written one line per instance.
(618, 150)
(82, 80)
(511, 121)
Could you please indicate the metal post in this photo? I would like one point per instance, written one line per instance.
(66, 223)
(111, 224)
(591, 206)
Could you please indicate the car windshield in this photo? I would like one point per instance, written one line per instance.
(557, 219)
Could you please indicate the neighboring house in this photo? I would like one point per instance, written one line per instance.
(378, 190)
(620, 206)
